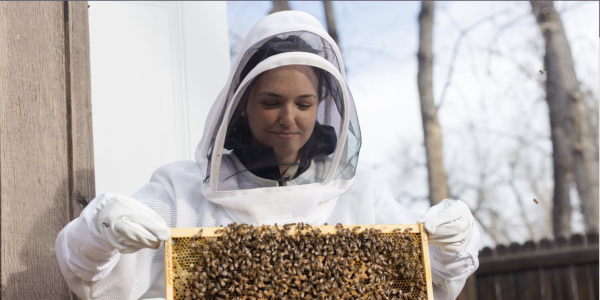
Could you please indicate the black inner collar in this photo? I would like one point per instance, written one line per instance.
(261, 161)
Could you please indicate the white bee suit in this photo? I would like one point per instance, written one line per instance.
(218, 189)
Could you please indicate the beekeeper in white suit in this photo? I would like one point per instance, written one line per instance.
(280, 145)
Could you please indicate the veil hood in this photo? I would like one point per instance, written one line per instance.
(312, 195)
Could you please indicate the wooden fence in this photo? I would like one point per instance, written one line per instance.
(563, 269)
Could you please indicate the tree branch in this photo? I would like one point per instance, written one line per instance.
(463, 33)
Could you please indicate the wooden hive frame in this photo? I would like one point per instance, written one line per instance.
(175, 262)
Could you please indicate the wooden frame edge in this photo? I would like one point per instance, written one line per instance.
(210, 231)
(426, 262)
(169, 267)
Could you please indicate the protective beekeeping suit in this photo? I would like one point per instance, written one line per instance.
(280, 145)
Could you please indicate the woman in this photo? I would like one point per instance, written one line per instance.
(280, 146)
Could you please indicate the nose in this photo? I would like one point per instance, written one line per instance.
(286, 116)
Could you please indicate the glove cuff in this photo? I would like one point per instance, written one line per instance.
(87, 255)
(91, 212)
(457, 265)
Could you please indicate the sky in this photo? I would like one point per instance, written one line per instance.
(493, 112)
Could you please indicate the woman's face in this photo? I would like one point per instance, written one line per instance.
(282, 109)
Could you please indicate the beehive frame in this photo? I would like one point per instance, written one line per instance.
(175, 263)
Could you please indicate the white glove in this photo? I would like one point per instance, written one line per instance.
(127, 224)
(449, 224)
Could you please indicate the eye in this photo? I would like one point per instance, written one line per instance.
(305, 106)
(270, 104)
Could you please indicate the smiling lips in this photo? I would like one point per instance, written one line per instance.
(285, 135)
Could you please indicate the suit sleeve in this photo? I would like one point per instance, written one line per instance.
(95, 270)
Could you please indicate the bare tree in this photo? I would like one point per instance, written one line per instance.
(573, 152)
(438, 185)
(330, 17)
(279, 6)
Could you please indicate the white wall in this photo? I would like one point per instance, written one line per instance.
(156, 69)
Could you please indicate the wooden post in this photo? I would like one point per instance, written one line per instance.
(46, 148)
(485, 284)
(469, 291)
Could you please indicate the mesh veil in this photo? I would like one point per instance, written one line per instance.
(316, 157)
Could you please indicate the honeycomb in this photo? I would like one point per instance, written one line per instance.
(181, 260)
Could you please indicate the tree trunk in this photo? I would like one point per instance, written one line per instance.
(279, 6)
(438, 186)
(330, 17)
(570, 133)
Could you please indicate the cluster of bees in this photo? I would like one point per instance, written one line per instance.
(297, 261)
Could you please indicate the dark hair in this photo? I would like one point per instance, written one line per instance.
(323, 139)
(276, 45)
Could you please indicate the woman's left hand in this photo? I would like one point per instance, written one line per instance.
(449, 225)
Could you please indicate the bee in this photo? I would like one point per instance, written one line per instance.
(199, 234)
(542, 72)
(536, 202)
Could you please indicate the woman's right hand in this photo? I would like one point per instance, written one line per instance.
(128, 225)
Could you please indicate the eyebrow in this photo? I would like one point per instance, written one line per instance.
(280, 96)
